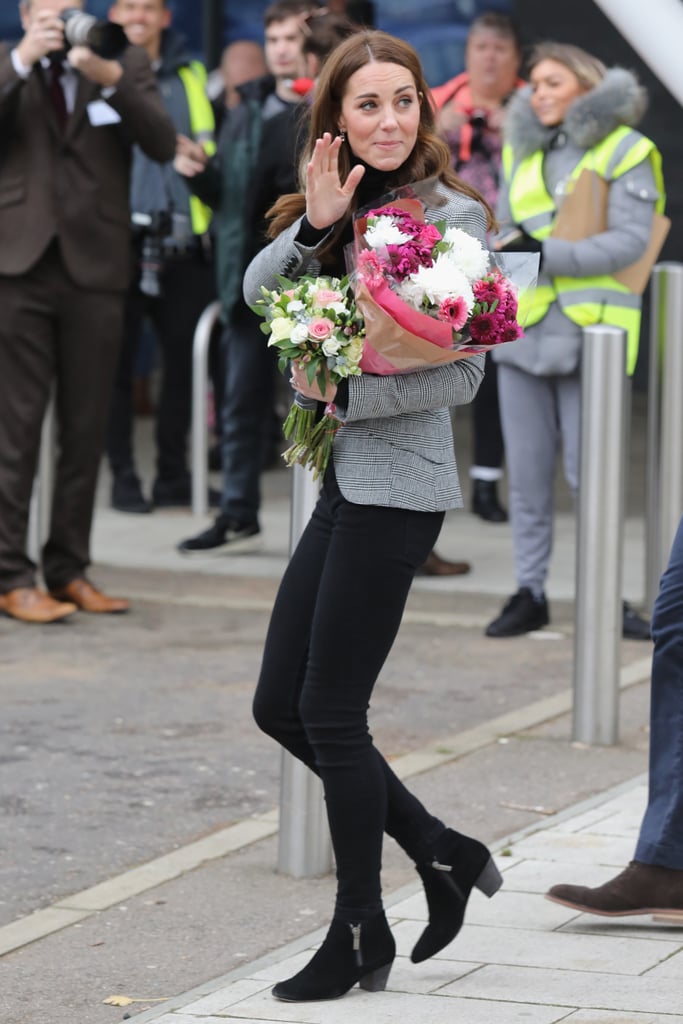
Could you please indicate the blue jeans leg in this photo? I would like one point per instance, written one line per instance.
(661, 833)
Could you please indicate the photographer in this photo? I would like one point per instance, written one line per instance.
(67, 124)
(173, 279)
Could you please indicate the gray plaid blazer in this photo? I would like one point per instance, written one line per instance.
(395, 447)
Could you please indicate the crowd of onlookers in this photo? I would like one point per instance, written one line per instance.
(198, 215)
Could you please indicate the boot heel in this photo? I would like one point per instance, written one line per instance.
(376, 981)
(490, 880)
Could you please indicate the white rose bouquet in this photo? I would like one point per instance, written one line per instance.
(316, 322)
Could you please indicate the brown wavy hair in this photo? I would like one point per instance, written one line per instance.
(430, 156)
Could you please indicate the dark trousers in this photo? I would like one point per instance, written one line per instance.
(487, 430)
(187, 288)
(53, 331)
(661, 833)
(335, 619)
(246, 413)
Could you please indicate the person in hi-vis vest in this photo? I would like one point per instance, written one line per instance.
(575, 114)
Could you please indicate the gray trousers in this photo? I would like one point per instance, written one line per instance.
(538, 414)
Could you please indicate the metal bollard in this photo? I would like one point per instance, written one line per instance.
(200, 427)
(43, 485)
(665, 422)
(600, 534)
(304, 847)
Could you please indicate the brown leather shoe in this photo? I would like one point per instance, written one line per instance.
(639, 889)
(88, 598)
(29, 604)
(438, 566)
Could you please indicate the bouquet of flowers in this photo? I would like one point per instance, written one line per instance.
(429, 293)
(417, 295)
(316, 322)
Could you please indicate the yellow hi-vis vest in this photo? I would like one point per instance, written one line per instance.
(584, 300)
(202, 124)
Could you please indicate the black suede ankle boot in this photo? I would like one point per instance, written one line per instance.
(459, 864)
(350, 953)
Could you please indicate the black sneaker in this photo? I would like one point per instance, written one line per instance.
(224, 535)
(126, 493)
(523, 613)
(633, 626)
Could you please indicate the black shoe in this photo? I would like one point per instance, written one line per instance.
(225, 534)
(633, 626)
(126, 494)
(461, 865)
(521, 614)
(485, 502)
(350, 953)
(177, 493)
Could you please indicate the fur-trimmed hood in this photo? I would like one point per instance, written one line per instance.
(617, 100)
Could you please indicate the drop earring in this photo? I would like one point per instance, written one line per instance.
(342, 135)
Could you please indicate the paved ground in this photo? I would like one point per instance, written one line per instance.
(138, 804)
(519, 958)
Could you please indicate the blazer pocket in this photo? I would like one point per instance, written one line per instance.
(12, 192)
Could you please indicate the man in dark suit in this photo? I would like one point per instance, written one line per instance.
(67, 124)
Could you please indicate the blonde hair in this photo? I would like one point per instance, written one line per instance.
(589, 70)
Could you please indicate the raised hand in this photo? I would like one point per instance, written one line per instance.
(327, 200)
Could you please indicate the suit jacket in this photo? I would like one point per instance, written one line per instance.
(395, 447)
(73, 185)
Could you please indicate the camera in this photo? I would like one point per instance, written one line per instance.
(104, 38)
(154, 228)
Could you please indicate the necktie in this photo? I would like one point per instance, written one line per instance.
(57, 92)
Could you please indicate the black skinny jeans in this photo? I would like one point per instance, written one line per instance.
(335, 618)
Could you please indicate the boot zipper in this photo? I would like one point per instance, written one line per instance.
(441, 867)
(355, 931)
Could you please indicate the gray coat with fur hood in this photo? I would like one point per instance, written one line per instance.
(553, 345)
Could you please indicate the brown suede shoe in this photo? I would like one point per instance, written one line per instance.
(639, 889)
(438, 566)
(29, 604)
(89, 599)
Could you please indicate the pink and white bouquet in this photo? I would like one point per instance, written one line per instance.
(315, 322)
(417, 295)
(430, 293)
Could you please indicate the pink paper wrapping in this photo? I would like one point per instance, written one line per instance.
(391, 348)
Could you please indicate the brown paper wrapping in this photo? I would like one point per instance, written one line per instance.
(584, 213)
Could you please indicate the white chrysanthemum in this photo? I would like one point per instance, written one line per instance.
(384, 232)
(466, 253)
(299, 334)
(411, 292)
(443, 281)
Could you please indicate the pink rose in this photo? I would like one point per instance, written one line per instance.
(319, 328)
(325, 297)
(453, 311)
(429, 235)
